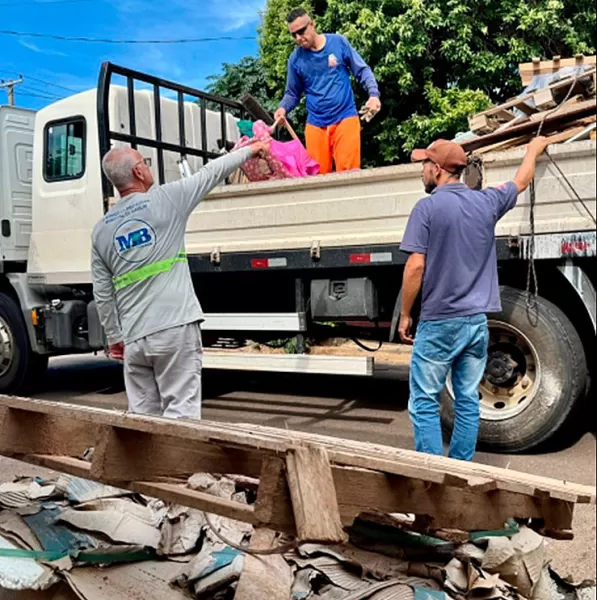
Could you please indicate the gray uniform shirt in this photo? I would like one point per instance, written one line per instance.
(141, 279)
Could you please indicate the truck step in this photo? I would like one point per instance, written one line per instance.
(291, 363)
(293, 322)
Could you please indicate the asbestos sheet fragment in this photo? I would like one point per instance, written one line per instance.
(117, 526)
(22, 573)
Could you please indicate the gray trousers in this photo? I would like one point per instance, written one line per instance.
(162, 373)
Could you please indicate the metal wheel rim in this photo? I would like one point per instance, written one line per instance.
(502, 402)
(7, 348)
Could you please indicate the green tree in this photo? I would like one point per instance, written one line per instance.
(247, 76)
(437, 61)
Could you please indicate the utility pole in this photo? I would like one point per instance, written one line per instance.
(10, 87)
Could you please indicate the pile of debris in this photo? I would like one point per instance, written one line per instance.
(558, 100)
(70, 538)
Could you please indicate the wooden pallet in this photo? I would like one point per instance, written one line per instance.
(532, 104)
(567, 116)
(310, 486)
(548, 67)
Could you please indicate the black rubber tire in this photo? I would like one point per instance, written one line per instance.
(563, 382)
(27, 369)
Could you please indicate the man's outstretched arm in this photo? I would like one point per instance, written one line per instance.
(186, 194)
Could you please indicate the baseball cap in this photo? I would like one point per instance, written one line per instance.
(450, 156)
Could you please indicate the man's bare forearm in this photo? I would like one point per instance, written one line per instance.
(527, 170)
(411, 286)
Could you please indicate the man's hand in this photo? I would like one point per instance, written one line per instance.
(280, 115)
(117, 351)
(404, 329)
(260, 147)
(538, 145)
(374, 104)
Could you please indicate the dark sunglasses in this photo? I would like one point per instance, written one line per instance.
(300, 32)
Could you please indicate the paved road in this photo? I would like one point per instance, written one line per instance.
(362, 409)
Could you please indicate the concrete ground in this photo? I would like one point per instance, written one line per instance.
(363, 409)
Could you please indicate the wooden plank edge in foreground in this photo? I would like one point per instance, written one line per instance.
(138, 441)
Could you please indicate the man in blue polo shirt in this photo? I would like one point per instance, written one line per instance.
(320, 68)
(451, 240)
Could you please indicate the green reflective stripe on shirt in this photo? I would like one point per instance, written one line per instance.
(162, 266)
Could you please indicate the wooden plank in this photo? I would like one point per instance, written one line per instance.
(358, 491)
(557, 89)
(548, 67)
(545, 100)
(272, 442)
(372, 454)
(564, 136)
(179, 494)
(482, 124)
(273, 490)
(26, 432)
(313, 494)
(264, 576)
(551, 122)
(124, 455)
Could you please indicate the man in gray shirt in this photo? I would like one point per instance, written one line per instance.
(142, 283)
(450, 237)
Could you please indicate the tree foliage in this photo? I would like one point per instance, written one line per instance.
(247, 76)
(437, 61)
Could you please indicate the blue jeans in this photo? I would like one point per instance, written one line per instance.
(458, 345)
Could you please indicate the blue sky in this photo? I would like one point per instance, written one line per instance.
(66, 67)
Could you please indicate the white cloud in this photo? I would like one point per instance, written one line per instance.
(34, 48)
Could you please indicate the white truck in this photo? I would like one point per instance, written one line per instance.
(283, 258)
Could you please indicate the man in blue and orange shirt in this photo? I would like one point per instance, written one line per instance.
(320, 68)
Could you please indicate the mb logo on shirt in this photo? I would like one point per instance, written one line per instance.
(134, 240)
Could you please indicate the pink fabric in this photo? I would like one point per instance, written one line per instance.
(285, 160)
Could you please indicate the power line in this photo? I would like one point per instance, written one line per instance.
(64, 38)
(44, 82)
(47, 95)
(42, 3)
(44, 97)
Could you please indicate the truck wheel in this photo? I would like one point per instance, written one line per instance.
(536, 372)
(20, 368)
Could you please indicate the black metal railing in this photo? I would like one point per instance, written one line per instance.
(107, 135)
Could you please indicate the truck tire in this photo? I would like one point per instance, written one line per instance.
(20, 368)
(536, 373)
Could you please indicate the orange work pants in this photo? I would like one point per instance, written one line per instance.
(340, 144)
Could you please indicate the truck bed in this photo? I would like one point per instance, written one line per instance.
(371, 207)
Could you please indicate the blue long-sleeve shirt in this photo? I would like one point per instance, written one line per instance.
(324, 77)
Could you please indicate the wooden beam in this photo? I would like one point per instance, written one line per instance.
(32, 432)
(361, 491)
(548, 67)
(551, 122)
(358, 491)
(274, 442)
(313, 494)
(124, 455)
(179, 494)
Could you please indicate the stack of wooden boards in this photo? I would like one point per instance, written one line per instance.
(311, 486)
(565, 109)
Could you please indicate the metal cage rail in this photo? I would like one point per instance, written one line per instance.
(107, 135)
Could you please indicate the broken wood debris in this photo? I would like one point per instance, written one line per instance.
(559, 101)
(548, 67)
(452, 494)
